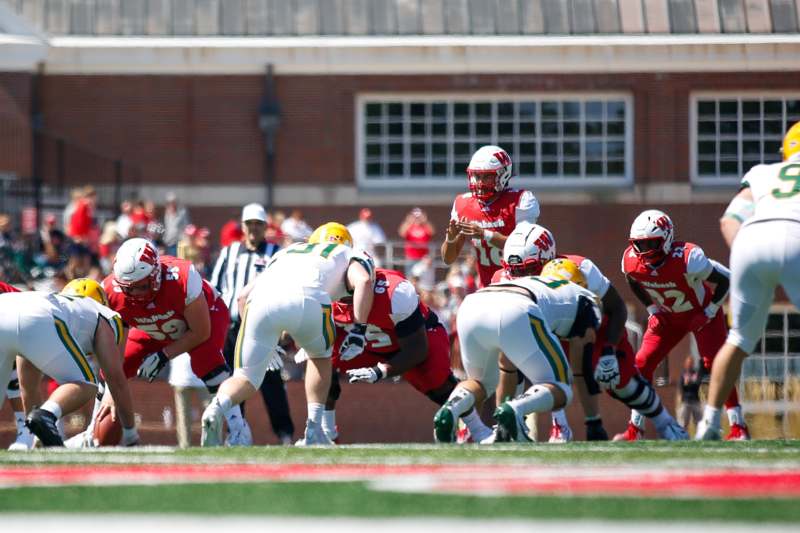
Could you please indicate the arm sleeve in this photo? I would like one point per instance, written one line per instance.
(194, 285)
(596, 282)
(698, 266)
(527, 208)
(722, 269)
(740, 209)
(404, 302)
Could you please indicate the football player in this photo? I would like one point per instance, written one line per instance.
(523, 318)
(404, 338)
(489, 212)
(610, 363)
(295, 294)
(55, 332)
(762, 226)
(169, 309)
(683, 291)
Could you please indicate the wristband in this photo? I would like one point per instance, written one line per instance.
(382, 370)
(652, 309)
(487, 235)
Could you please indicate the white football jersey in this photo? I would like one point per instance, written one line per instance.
(81, 315)
(776, 190)
(557, 299)
(315, 266)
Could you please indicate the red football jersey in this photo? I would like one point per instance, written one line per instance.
(5, 287)
(499, 216)
(162, 318)
(395, 299)
(677, 283)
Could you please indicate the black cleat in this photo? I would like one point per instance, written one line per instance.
(43, 424)
(595, 430)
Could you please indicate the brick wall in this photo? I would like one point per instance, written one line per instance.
(15, 133)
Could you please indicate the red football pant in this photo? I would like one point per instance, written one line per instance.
(659, 340)
(205, 357)
(425, 377)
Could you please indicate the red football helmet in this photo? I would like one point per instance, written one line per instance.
(137, 270)
(652, 233)
(488, 172)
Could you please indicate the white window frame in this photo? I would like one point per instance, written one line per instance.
(458, 182)
(694, 123)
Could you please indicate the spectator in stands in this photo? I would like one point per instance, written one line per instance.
(691, 409)
(75, 194)
(54, 243)
(295, 227)
(230, 233)
(417, 233)
(82, 263)
(13, 262)
(237, 266)
(82, 224)
(109, 243)
(274, 234)
(176, 218)
(366, 233)
(124, 219)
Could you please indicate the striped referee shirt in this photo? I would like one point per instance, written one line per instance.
(237, 266)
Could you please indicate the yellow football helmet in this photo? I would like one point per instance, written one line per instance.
(791, 142)
(86, 287)
(331, 232)
(564, 269)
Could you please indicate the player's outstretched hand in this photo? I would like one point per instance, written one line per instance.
(152, 365)
(365, 375)
(606, 374)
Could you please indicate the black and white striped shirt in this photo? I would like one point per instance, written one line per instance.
(237, 266)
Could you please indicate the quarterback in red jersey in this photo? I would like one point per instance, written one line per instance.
(404, 338)
(683, 291)
(610, 364)
(489, 212)
(169, 309)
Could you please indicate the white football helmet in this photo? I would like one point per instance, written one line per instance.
(527, 249)
(488, 172)
(136, 260)
(651, 235)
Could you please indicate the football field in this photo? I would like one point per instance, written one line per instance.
(650, 483)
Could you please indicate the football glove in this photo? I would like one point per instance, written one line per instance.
(152, 366)
(366, 374)
(606, 373)
(353, 345)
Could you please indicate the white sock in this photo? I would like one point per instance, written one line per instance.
(460, 401)
(52, 407)
(225, 402)
(19, 418)
(315, 411)
(476, 427)
(234, 418)
(735, 415)
(329, 423)
(711, 416)
(537, 399)
(560, 417)
(637, 419)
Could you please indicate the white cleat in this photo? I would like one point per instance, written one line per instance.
(560, 434)
(673, 431)
(705, 431)
(242, 437)
(211, 433)
(314, 436)
(81, 440)
(24, 441)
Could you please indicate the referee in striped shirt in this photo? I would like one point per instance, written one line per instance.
(237, 265)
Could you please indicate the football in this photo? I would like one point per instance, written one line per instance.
(107, 432)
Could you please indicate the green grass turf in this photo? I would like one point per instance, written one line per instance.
(357, 500)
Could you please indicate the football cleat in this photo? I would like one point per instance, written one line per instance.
(673, 431)
(595, 430)
(242, 437)
(706, 431)
(738, 432)
(314, 436)
(632, 433)
(43, 424)
(444, 424)
(510, 425)
(463, 436)
(80, 440)
(560, 434)
(24, 441)
(211, 433)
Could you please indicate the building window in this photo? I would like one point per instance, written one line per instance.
(732, 134)
(560, 140)
(770, 380)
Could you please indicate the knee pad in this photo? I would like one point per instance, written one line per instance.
(214, 379)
